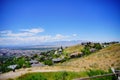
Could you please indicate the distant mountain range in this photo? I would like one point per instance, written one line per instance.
(48, 44)
(64, 43)
(55, 44)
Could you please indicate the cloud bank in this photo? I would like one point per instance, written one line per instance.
(30, 37)
(23, 32)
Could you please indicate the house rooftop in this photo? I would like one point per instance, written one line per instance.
(56, 59)
(37, 65)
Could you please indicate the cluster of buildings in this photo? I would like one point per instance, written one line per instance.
(18, 53)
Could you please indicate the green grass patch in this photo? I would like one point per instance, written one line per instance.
(63, 75)
(52, 76)
(100, 72)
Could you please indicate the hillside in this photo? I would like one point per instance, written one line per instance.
(75, 48)
(103, 59)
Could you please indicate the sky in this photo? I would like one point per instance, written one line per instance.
(24, 22)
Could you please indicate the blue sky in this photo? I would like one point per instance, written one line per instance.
(37, 21)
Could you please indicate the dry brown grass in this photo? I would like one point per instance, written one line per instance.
(72, 49)
(103, 59)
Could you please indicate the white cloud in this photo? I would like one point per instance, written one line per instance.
(32, 39)
(34, 30)
(74, 35)
(60, 37)
(5, 31)
(23, 32)
(19, 34)
(30, 36)
(25, 40)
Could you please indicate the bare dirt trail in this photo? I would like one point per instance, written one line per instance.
(18, 73)
(22, 71)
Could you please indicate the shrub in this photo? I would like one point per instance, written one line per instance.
(48, 62)
(97, 46)
(86, 50)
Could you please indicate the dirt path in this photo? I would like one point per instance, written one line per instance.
(20, 72)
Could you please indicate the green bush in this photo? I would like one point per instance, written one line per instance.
(86, 50)
(12, 61)
(42, 58)
(97, 46)
(48, 62)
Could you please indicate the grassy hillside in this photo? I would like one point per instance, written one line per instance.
(103, 59)
(72, 49)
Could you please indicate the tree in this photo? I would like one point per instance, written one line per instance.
(21, 61)
(42, 58)
(97, 46)
(48, 62)
(86, 50)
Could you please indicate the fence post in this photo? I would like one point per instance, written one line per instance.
(116, 71)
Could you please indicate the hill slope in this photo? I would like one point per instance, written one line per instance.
(103, 59)
(75, 48)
